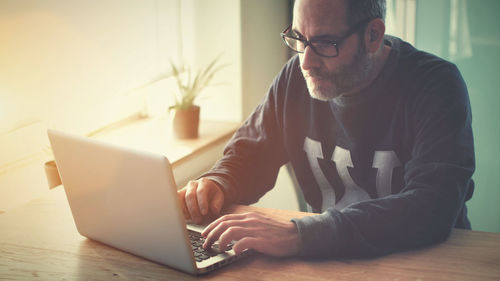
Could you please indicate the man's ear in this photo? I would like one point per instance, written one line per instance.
(374, 35)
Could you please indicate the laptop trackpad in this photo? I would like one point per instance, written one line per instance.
(196, 227)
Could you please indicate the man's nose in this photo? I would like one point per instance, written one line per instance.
(310, 59)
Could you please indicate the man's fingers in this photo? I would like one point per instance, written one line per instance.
(217, 203)
(210, 197)
(181, 194)
(249, 243)
(202, 193)
(192, 202)
(215, 233)
(233, 233)
(265, 234)
(218, 221)
(199, 197)
(207, 192)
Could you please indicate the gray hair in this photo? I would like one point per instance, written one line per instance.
(359, 10)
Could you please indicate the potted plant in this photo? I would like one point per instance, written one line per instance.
(186, 114)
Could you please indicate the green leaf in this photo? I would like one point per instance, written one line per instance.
(191, 86)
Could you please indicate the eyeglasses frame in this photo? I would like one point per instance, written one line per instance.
(335, 43)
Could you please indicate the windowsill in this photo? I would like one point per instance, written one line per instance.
(189, 157)
(154, 135)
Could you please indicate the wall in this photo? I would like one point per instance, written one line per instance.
(466, 32)
(263, 51)
(212, 29)
(76, 66)
(263, 56)
(247, 34)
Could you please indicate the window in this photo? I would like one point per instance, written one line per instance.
(400, 19)
(77, 66)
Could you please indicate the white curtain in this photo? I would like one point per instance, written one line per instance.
(460, 42)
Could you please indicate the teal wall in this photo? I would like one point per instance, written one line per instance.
(479, 61)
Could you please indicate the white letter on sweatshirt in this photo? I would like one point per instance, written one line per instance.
(314, 152)
(385, 162)
(353, 193)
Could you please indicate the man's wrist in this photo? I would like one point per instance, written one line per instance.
(319, 234)
(295, 240)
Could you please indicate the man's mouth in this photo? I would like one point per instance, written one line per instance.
(316, 79)
(315, 75)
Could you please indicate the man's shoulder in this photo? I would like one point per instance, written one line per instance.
(292, 66)
(421, 69)
(415, 60)
(290, 77)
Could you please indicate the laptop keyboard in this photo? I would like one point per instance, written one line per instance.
(200, 254)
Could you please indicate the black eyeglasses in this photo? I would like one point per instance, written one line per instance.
(322, 47)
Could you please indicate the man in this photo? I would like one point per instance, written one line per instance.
(378, 134)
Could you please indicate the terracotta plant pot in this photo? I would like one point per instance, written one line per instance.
(52, 174)
(186, 122)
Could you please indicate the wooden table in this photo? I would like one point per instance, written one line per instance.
(39, 241)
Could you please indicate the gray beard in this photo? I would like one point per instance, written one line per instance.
(343, 80)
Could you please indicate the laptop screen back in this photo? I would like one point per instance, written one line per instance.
(123, 198)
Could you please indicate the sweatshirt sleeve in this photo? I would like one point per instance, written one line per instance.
(437, 183)
(254, 155)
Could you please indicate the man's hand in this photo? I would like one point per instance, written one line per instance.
(268, 235)
(200, 197)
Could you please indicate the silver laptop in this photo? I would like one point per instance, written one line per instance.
(127, 199)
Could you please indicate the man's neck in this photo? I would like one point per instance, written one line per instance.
(379, 60)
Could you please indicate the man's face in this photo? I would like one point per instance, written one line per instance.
(328, 78)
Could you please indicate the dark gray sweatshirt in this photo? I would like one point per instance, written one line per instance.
(386, 170)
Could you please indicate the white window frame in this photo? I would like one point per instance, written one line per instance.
(401, 19)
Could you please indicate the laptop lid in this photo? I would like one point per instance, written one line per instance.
(124, 198)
